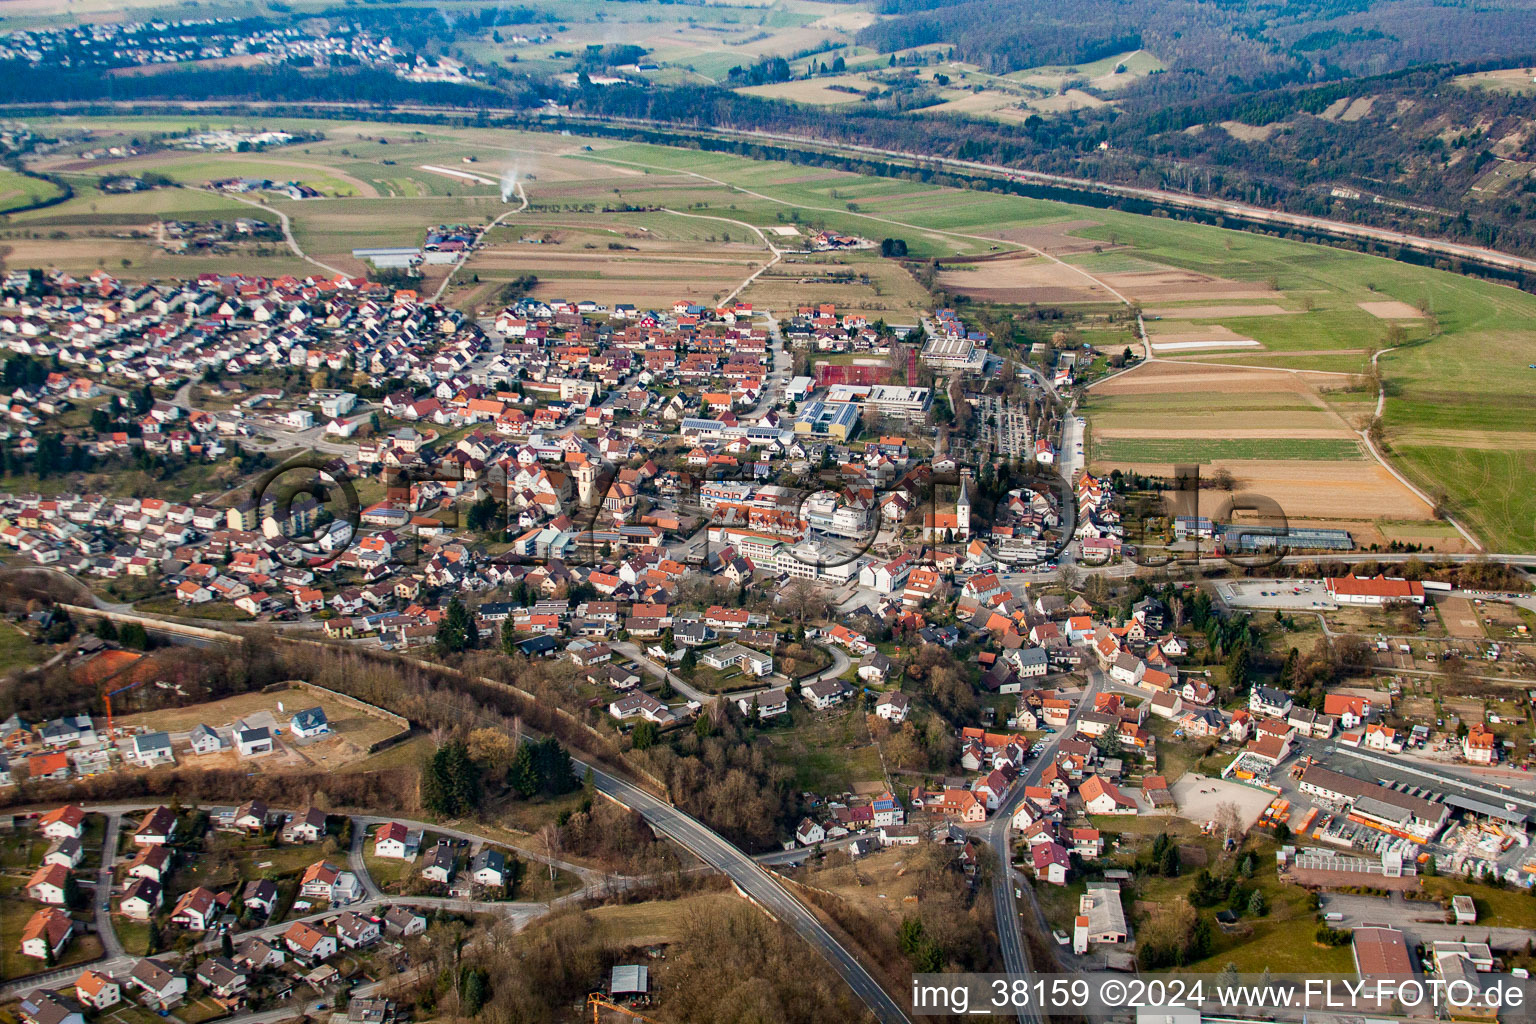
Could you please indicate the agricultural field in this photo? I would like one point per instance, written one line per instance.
(962, 88)
(1223, 449)
(629, 222)
(1279, 434)
(1519, 81)
(17, 190)
(856, 282)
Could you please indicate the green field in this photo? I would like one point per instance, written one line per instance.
(1461, 406)
(1201, 450)
(829, 751)
(18, 190)
(17, 649)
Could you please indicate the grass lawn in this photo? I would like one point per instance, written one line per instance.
(1174, 757)
(125, 1013)
(14, 915)
(21, 852)
(535, 883)
(1502, 908)
(17, 649)
(91, 841)
(134, 935)
(230, 861)
(644, 924)
(1283, 942)
(18, 190)
(406, 754)
(204, 1009)
(715, 681)
(216, 611)
(387, 873)
(829, 751)
(528, 816)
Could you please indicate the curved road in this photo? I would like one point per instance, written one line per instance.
(749, 877)
(756, 884)
(1160, 197)
(293, 243)
(997, 832)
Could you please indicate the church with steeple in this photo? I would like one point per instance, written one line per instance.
(951, 526)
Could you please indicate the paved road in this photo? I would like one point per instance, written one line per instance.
(66, 975)
(282, 217)
(1161, 197)
(998, 833)
(110, 943)
(840, 664)
(758, 886)
(362, 822)
(358, 865)
(1363, 911)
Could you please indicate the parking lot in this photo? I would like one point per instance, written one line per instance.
(1286, 595)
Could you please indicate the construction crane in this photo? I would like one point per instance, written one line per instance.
(107, 697)
(598, 1003)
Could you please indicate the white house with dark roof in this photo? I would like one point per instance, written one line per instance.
(309, 723)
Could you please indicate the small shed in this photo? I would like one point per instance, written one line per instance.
(629, 981)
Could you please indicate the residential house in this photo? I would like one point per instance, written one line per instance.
(404, 922)
(893, 707)
(396, 842)
(198, 909)
(356, 931)
(98, 990)
(46, 934)
(161, 988)
(310, 723)
(260, 895)
(824, 693)
(770, 703)
(141, 899)
(308, 827)
(223, 977)
(157, 828)
(41, 1006)
(489, 867)
(65, 822)
(153, 748)
(150, 862)
(253, 741)
(310, 943)
(1100, 796)
(1051, 862)
(49, 884)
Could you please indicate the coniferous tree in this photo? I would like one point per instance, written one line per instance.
(456, 631)
(523, 776)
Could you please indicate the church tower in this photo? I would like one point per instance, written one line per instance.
(963, 509)
(586, 484)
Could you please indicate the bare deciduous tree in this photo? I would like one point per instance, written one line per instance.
(550, 842)
(1229, 822)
